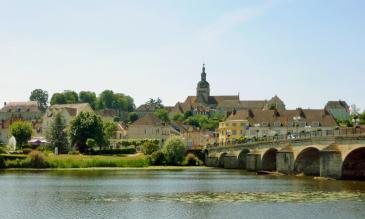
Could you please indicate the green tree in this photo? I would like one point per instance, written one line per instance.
(132, 117)
(120, 102)
(91, 143)
(110, 130)
(86, 125)
(88, 97)
(58, 98)
(174, 150)
(22, 131)
(41, 96)
(163, 114)
(178, 118)
(106, 99)
(130, 104)
(149, 147)
(71, 96)
(57, 134)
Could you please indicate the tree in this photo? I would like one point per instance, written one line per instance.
(132, 117)
(58, 98)
(178, 118)
(110, 130)
(106, 99)
(41, 96)
(88, 97)
(120, 102)
(154, 104)
(174, 150)
(71, 96)
(163, 114)
(86, 125)
(22, 131)
(57, 134)
(149, 147)
(130, 104)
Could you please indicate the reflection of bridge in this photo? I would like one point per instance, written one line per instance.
(339, 157)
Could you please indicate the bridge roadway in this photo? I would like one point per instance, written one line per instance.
(338, 157)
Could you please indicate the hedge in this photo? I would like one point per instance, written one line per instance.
(130, 150)
(14, 156)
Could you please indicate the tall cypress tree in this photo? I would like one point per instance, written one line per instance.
(57, 134)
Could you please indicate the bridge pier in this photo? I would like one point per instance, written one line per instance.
(253, 161)
(331, 162)
(230, 161)
(285, 160)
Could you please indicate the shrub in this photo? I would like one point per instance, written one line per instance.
(37, 160)
(158, 158)
(27, 150)
(130, 150)
(149, 147)
(2, 162)
(174, 150)
(14, 156)
(192, 160)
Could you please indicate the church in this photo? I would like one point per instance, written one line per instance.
(204, 104)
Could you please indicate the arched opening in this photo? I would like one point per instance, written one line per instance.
(307, 162)
(221, 159)
(269, 160)
(354, 165)
(242, 158)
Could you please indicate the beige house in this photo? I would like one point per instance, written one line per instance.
(149, 126)
(68, 112)
(194, 137)
(14, 111)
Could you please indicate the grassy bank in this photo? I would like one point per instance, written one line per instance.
(80, 161)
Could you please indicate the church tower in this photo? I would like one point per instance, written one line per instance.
(203, 90)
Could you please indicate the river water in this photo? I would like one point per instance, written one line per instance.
(184, 193)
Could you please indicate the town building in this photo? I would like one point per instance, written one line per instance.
(204, 103)
(67, 111)
(339, 110)
(194, 137)
(149, 126)
(15, 111)
(265, 123)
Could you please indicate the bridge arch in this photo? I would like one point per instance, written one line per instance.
(353, 166)
(242, 158)
(307, 162)
(221, 159)
(269, 160)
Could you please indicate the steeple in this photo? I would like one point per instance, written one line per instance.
(203, 90)
(203, 75)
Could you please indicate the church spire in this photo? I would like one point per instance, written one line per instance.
(204, 74)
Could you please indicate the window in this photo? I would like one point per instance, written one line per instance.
(234, 132)
(277, 124)
(241, 132)
(315, 124)
(234, 124)
(243, 124)
(265, 124)
(19, 110)
(302, 124)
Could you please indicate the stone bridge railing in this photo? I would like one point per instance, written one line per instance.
(327, 156)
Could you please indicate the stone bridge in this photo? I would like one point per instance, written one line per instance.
(334, 157)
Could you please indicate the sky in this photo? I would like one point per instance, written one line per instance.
(305, 51)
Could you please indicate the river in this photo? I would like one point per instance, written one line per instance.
(183, 193)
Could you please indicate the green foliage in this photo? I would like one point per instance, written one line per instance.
(118, 101)
(106, 99)
(149, 147)
(37, 159)
(91, 143)
(27, 150)
(14, 156)
(132, 117)
(58, 98)
(187, 114)
(174, 150)
(192, 160)
(67, 97)
(178, 118)
(129, 142)
(158, 158)
(163, 114)
(88, 97)
(129, 150)
(22, 131)
(2, 162)
(110, 130)
(41, 96)
(57, 134)
(205, 122)
(241, 140)
(86, 125)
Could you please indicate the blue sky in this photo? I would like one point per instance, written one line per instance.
(307, 52)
